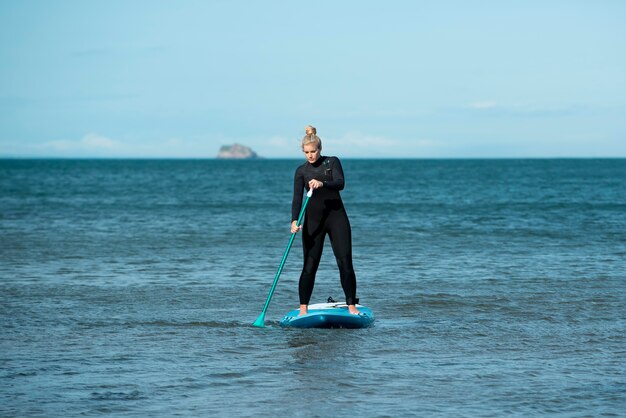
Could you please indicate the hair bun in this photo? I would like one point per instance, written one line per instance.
(310, 130)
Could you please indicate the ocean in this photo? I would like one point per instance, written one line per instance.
(128, 288)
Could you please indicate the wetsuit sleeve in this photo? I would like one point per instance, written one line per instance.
(337, 183)
(298, 185)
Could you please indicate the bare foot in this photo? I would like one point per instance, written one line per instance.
(353, 310)
(303, 310)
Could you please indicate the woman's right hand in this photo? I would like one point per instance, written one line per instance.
(294, 227)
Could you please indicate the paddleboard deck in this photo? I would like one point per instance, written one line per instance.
(329, 315)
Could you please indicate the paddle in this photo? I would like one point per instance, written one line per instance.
(260, 321)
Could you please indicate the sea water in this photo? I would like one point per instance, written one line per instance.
(128, 288)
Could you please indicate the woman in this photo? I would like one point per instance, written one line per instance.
(325, 214)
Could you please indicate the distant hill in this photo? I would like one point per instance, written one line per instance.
(236, 151)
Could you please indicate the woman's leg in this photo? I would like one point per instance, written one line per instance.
(313, 246)
(341, 240)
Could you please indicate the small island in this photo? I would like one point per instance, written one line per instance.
(237, 151)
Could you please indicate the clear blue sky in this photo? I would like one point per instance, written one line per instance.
(378, 78)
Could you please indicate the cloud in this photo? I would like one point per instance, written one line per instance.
(94, 141)
(94, 145)
(355, 144)
(89, 144)
(279, 142)
(358, 139)
(276, 146)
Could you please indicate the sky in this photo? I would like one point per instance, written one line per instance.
(379, 79)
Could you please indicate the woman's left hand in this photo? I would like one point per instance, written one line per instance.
(315, 184)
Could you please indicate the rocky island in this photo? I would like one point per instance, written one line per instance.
(236, 151)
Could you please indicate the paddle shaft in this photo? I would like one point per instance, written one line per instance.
(260, 320)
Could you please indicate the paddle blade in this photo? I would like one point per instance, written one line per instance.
(260, 321)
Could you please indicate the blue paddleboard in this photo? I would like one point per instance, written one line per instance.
(329, 315)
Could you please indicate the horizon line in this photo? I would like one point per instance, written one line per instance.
(7, 157)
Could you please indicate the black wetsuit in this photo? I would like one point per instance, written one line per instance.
(325, 214)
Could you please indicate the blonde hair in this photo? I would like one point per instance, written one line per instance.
(311, 137)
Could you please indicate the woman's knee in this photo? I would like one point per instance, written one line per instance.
(345, 265)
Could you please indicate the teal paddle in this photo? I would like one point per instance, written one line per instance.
(260, 321)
